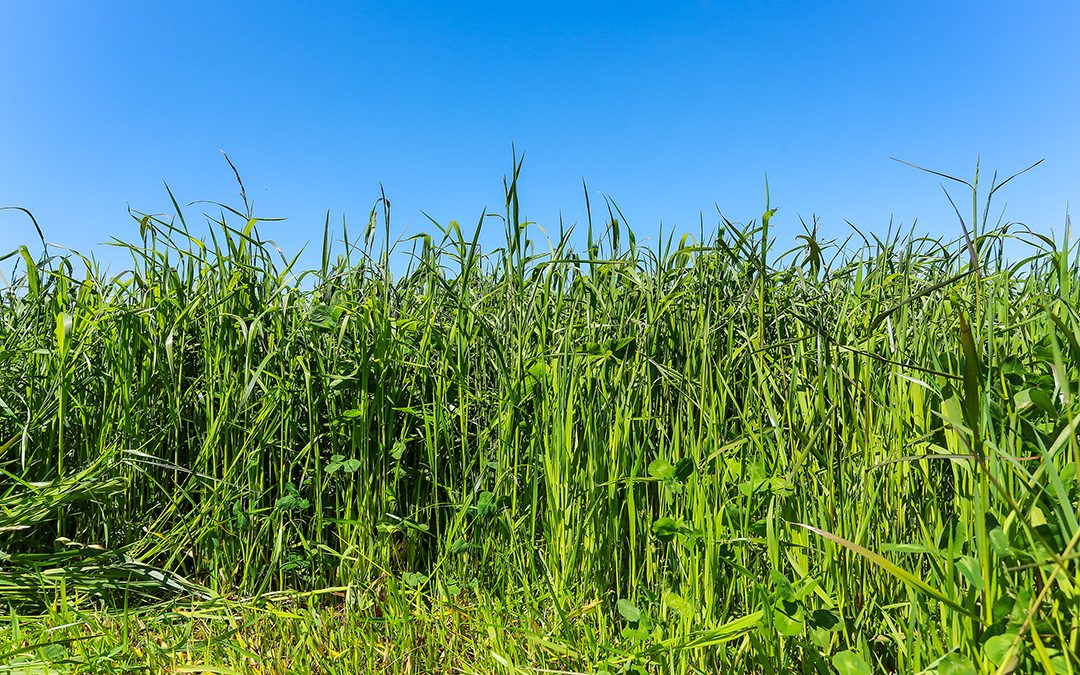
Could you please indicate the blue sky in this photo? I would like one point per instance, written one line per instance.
(669, 108)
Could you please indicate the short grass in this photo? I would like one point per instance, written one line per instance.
(707, 455)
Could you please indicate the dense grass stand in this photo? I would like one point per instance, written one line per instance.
(703, 456)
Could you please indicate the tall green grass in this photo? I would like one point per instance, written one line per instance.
(700, 456)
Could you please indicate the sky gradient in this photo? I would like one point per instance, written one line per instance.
(671, 109)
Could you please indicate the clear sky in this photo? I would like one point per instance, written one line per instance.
(671, 109)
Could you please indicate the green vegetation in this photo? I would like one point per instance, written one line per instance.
(707, 456)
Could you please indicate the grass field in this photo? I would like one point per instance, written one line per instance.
(708, 455)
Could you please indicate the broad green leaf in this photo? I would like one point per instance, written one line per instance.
(636, 633)
(820, 637)
(1003, 606)
(536, 374)
(956, 664)
(661, 469)
(628, 610)
(1036, 517)
(666, 528)
(850, 663)
(621, 348)
(1034, 397)
(788, 624)
(826, 619)
(684, 468)
(1012, 367)
(999, 541)
(413, 579)
(998, 647)
(679, 604)
(969, 567)
(1019, 613)
(291, 503)
(486, 504)
(783, 587)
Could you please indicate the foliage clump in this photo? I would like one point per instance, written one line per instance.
(701, 456)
